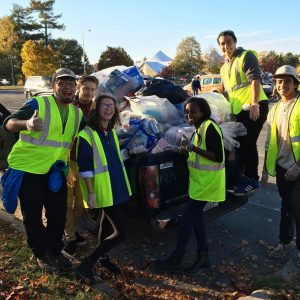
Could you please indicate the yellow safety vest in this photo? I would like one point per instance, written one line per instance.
(237, 85)
(206, 177)
(101, 179)
(294, 131)
(36, 151)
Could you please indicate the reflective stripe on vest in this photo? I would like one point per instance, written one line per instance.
(294, 132)
(100, 168)
(42, 140)
(206, 177)
(197, 165)
(237, 84)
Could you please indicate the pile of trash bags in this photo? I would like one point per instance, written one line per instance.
(152, 112)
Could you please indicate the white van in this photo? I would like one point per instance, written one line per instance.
(37, 84)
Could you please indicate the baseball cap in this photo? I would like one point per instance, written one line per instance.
(286, 70)
(63, 72)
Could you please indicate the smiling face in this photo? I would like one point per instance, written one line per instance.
(106, 111)
(86, 91)
(286, 87)
(193, 113)
(64, 89)
(227, 46)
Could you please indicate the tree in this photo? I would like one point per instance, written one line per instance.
(188, 60)
(290, 59)
(213, 61)
(47, 18)
(7, 39)
(25, 28)
(113, 57)
(69, 53)
(167, 72)
(269, 61)
(36, 59)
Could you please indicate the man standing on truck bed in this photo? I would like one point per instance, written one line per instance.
(241, 78)
(47, 126)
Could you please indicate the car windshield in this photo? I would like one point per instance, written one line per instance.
(47, 80)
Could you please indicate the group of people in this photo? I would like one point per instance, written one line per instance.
(79, 132)
(241, 79)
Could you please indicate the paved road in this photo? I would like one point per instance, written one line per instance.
(238, 238)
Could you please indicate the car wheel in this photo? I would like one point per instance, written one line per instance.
(91, 220)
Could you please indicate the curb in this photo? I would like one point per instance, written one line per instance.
(12, 220)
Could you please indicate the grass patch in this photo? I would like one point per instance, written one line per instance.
(21, 278)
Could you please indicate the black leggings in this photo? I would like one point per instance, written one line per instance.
(114, 215)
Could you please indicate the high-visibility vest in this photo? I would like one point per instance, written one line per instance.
(237, 85)
(294, 132)
(206, 177)
(101, 177)
(36, 151)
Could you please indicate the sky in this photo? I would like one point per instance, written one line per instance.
(143, 28)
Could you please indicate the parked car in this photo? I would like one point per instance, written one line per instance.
(209, 83)
(37, 84)
(4, 82)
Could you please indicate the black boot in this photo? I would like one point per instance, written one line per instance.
(85, 272)
(173, 263)
(199, 265)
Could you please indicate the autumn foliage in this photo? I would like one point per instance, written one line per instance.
(37, 59)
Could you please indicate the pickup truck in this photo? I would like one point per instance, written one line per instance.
(159, 185)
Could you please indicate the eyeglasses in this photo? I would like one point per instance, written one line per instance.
(105, 106)
(63, 83)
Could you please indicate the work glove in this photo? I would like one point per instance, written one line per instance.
(254, 112)
(264, 179)
(35, 123)
(91, 200)
(175, 149)
(292, 173)
(187, 144)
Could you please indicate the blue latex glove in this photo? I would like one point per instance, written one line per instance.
(55, 179)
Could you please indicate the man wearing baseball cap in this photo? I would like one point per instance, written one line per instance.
(47, 126)
(283, 157)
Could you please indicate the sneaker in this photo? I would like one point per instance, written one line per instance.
(47, 263)
(281, 249)
(247, 186)
(70, 247)
(80, 240)
(62, 262)
(173, 263)
(109, 265)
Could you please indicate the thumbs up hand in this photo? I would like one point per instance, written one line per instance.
(35, 123)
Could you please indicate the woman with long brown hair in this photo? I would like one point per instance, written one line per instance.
(103, 177)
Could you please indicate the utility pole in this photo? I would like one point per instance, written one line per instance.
(83, 53)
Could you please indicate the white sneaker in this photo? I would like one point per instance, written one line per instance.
(281, 250)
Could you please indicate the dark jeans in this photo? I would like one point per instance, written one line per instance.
(195, 92)
(115, 216)
(192, 218)
(289, 192)
(247, 153)
(34, 196)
